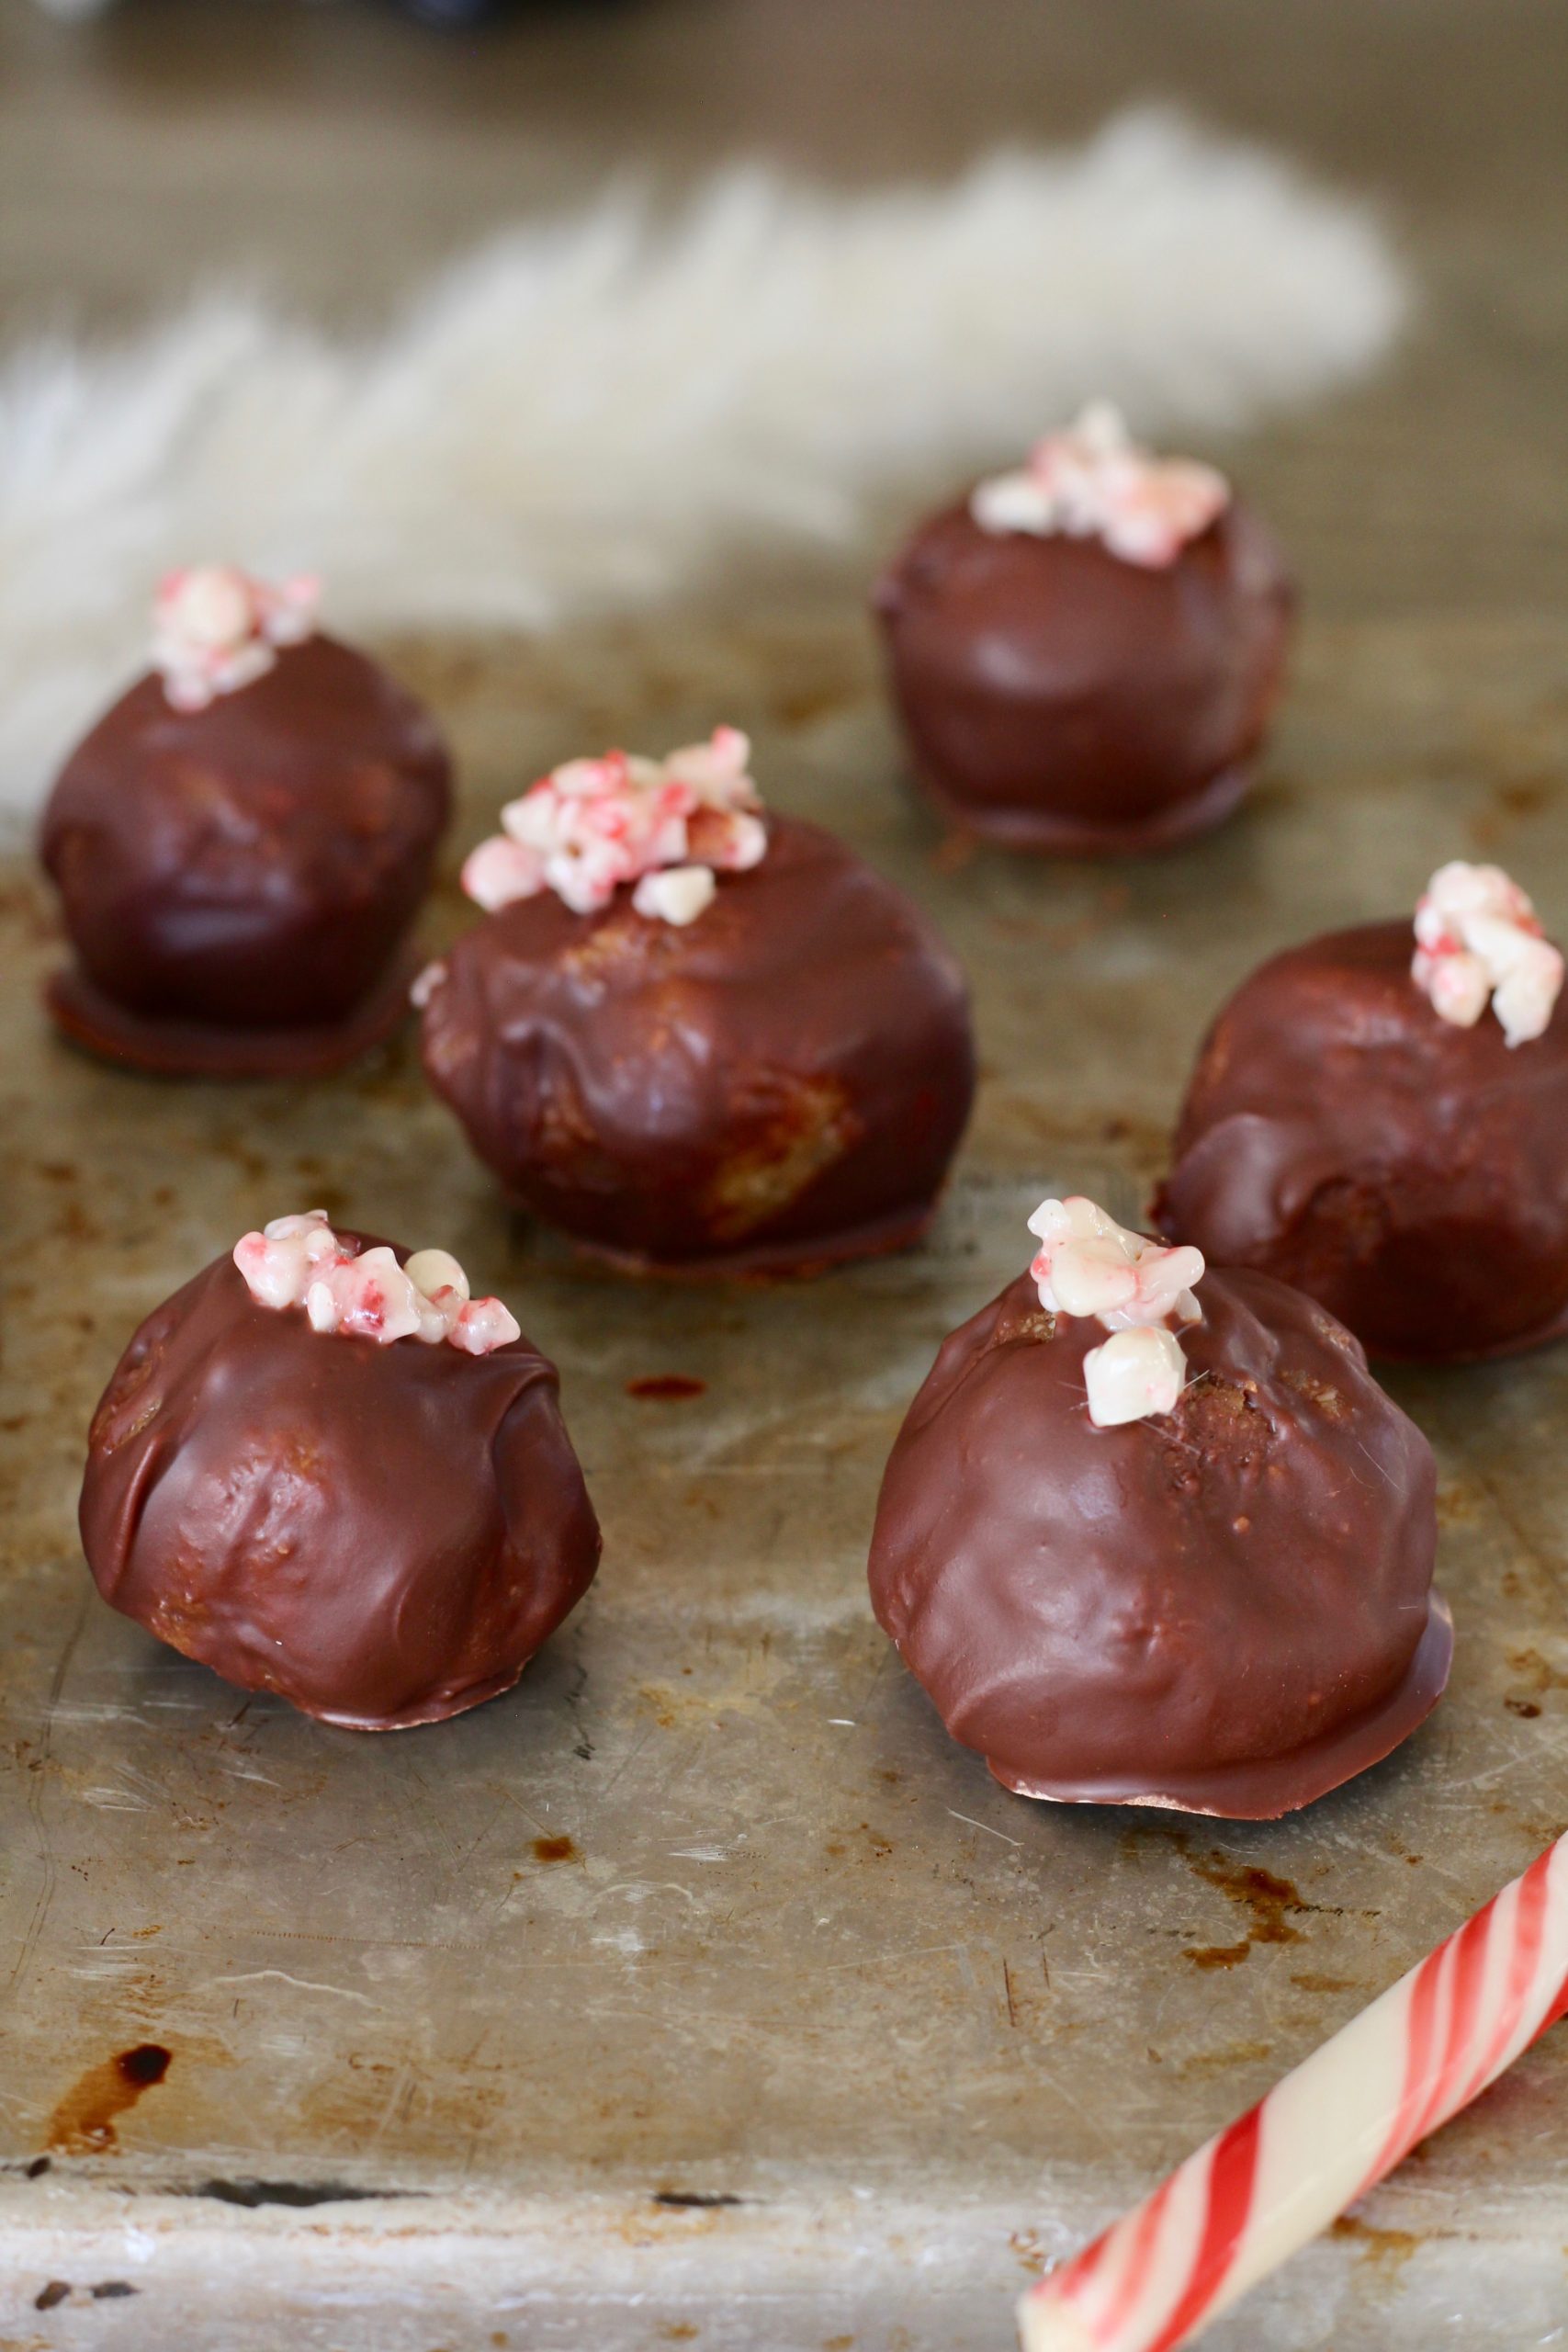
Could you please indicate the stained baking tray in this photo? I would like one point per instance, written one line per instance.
(702, 1991)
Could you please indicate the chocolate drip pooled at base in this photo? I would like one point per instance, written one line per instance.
(382, 1535)
(1226, 1609)
(251, 866)
(778, 1085)
(1410, 1174)
(1057, 698)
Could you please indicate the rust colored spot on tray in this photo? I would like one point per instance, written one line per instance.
(83, 2123)
(554, 1849)
(1309, 1982)
(1216, 1955)
(1390, 2249)
(1263, 1897)
(1537, 1677)
(667, 1387)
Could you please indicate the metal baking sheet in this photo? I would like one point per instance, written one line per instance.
(702, 1991)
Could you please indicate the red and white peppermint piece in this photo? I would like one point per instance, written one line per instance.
(1089, 1265)
(591, 826)
(280, 1263)
(1478, 940)
(1094, 481)
(364, 1293)
(482, 1325)
(216, 628)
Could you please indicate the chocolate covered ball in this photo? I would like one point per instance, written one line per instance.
(237, 878)
(1409, 1172)
(1224, 1608)
(774, 1084)
(380, 1530)
(1059, 695)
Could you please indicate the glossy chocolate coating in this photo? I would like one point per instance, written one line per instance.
(1225, 1609)
(781, 1083)
(382, 1535)
(1410, 1174)
(254, 864)
(1055, 697)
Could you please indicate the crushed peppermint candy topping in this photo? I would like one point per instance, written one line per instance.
(1135, 1374)
(1089, 1265)
(216, 628)
(1477, 939)
(665, 825)
(1094, 481)
(364, 1293)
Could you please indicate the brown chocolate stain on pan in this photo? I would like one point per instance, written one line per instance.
(1264, 1897)
(555, 1850)
(1389, 2250)
(667, 1387)
(84, 2122)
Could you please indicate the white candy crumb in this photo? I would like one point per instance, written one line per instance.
(1136, 1373)
(676, 894)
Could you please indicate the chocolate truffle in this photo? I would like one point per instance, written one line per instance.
(760, 1063)
(322, 1470)
(1382, 1141)
(1223, 1605)
(1085, 654)
(241, 842)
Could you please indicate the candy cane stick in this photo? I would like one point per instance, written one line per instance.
(1347, 2116)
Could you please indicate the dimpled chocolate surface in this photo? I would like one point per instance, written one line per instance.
(1055, 697)
(383, 1535)
(1410, 1174)
(254, 864)
(780, 1083)
(1227, 1608)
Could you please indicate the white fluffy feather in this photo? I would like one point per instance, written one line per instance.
(582, 414)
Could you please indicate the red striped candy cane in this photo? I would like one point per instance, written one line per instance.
(1347, 2116)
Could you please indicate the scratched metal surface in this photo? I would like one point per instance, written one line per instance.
(710, 1908)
